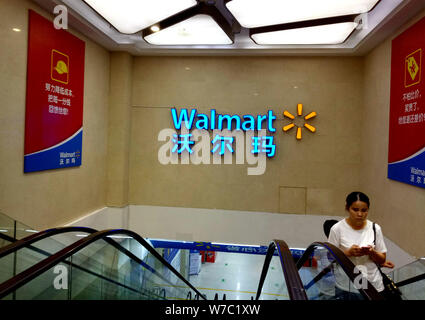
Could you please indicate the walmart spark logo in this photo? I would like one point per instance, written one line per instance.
(288, 127)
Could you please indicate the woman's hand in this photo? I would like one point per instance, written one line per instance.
(388, 264)
(356, 251)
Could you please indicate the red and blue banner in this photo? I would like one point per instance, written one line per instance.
(406, 149)
(54, 100)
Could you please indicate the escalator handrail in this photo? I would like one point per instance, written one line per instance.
(293, 281)
(269, 255)
(410, 280)
(29, 274)
(25, 242)
(7, 238)
(370, 293)
(292, 277)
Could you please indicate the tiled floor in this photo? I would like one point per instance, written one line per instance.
(237, 276)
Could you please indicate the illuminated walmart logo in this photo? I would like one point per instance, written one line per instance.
(288, 127)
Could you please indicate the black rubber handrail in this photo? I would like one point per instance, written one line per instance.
(269, 255)
(319, 276)
(29, 274)
(346, 264)
(293, 281)
(411, 280)
(7, 238)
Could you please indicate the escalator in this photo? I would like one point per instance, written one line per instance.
(111, 264)
(98, 265)
(328, 265)
(77, 263)
(319, 281)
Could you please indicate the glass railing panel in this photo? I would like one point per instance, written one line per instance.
(158, 279)
(408, 271)
(26, 257)
(179, 259)
(50, 285)
(414, 290)
(324, 279)
(7, 229)
(318, 277)
(23, 230)
(38, 251)
(4, 242)
(7, 267)
(13, 229)
(274, 287)
(102, 271)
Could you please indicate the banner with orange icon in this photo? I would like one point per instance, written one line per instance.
(54, 99)
(406, 149)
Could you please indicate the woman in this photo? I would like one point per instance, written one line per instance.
(355, 236)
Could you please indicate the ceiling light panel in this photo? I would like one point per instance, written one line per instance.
(325, 34)
(200, 29)
(258, 13)
(130, 16)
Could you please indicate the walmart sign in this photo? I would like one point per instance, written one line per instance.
(193, 120)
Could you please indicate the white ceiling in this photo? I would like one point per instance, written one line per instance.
(380, 23)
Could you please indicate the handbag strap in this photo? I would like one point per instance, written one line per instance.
(374, 242)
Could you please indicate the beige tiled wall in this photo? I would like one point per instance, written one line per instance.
(46, 199)
(119, 129)
(326, 165)
(399, 208)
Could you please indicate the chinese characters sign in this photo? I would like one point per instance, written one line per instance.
(54, 101)
(406, 150)
(208, 246)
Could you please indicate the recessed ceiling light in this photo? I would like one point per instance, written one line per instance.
(200, 29)
(323, 34)
(16, 29)
(257, 13)
(130, 16)
(155, 28)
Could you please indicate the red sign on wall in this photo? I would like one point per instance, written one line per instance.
(55, 93)
(406, 152)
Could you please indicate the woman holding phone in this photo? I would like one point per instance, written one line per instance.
(365, 247)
